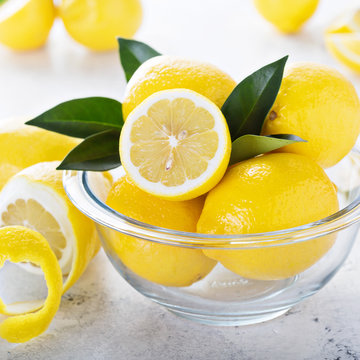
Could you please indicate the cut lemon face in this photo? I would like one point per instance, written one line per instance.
(35, 198)
(343, 40)
(175, 144)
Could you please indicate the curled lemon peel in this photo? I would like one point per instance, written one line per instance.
(20, 244)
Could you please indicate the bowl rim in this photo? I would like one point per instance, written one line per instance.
(77, 188)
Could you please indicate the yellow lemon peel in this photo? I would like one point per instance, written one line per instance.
(20, 244)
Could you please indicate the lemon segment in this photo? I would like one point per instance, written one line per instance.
(176, 144)
(19, 244)
(35, 198)
(25, 24)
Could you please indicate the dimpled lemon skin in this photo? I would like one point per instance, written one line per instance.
(162, 264)
(321, 106)
(269, 193)
(170, 72)
(286, 15)
(22, 146)
(29, 27)
(96, 24)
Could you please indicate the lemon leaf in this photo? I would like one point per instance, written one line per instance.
(249, 146)
(81, 117)
(132, 54)
(99, 152)
(247, 106)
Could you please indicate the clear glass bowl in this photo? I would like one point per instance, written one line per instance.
(223, 297)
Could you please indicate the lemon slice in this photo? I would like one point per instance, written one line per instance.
(35, 198)
(346, 23)
(343, 40)
(21, 323)
(175, 144)
(25, 24)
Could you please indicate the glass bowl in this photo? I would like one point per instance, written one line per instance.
(223, 297)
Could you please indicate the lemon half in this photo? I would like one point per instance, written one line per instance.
(343, 39)
(175, 144)
(35, 198)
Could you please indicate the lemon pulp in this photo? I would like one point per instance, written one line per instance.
(175, 144)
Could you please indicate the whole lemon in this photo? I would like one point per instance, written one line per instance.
(286, 15)
(25, 25)
(268, 193)
(163, 264)
(170, 72)
(97, 23)
(22, 146)
(321, 106)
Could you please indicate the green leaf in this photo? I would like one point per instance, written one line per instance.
(132, 54)
(249, 146)
(247, 106)
(2, 2)
(99, 152)
(82, 117)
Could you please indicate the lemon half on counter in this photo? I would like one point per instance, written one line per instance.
(35, 198)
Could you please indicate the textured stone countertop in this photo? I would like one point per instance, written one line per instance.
(102, 317)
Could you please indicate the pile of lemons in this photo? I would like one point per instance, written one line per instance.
(25, 24)
(175, 147)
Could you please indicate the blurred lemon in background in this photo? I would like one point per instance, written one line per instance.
(25, 24)
(97, 23)
(321, 106)
(286, 15)
(343, 39)
(171, 72)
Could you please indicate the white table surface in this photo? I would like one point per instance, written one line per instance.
(102, 317)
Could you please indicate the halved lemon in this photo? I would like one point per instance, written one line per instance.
(35, 198)
(176, 144)
(343, 40)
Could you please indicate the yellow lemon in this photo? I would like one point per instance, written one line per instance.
(25, 24)
(162, 264)
(343, 39)
(35, 198)
(97, 23)
(286, 15)
(171, 72)
(269, 193)
(321, 106)
(176, 144)
(22, 146)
